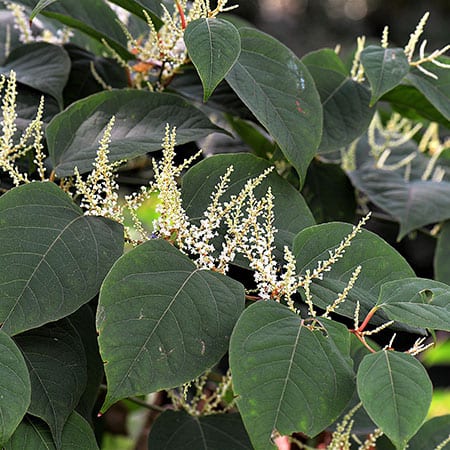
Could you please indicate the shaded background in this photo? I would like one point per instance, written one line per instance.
(306, 25)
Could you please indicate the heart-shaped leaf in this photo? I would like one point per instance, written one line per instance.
(288, 106)
(288, 378)
(433, 433)
(52, 257)
(417, 301)
(396, 393)
(214, 46)
(385, 68)
(181, 317)
(56, 360)
(178, 430)
(15, 387)
(141, 119)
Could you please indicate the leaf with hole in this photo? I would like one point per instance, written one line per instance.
(287, 106)
(214, 46)
(288, 378)
(418, 302)
(395, 390)
(52, 257)
(181, 317)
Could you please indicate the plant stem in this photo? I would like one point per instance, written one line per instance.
(139, 402)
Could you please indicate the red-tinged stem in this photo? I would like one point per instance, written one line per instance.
(367, 319)
(182, 16)
(363, 341)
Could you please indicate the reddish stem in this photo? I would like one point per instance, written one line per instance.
(367, 319)
(182, 16)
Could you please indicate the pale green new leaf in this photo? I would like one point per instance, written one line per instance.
(385, 68)
(418, 302)
(162, 321)
(396, 393)
(288, 378)
(40, 6)
(214, 46)
(15, 387)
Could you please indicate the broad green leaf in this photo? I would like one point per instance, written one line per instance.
(214, 46)
(56, 361)
(278, 89)
(379, 261)
(329, 193)
(40, 6)
(181, 319)
(42, 66)
(432, 434)
(141, 119)
(83, 320)
(94, 18)
(412, 203)
(52, 257)
(137, 7)
(177, 430)
(33, 434)
(417, 301)
(385, 68)
(290, 210)
(441, 256)
(288, 378)
(396, 393)
(437, 91)
(411, 103)
(15, 388)
(345, 102)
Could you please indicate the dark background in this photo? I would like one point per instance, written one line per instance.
(306, 25)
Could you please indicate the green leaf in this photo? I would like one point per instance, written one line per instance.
(412, 203)
(9, 36)
(396, 393)
(214, 46)
(94, 18)
(329, 193)
(56, 361)
(33, 434)
(441, 259)
(177, 430)
(83, 320)
(437, 91)
(141, 118)
(52, 257)
(290, 210)
(15, 387)
(181, 319)
(417, 301)
(278, 89)
(432, 433)
(152, 7)
(346, 110)
(385, 68)
(379, 261)
(411, 103)
(42, 66)
(40, 6)
(287, 377)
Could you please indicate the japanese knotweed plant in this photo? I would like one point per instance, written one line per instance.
(253, 309)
